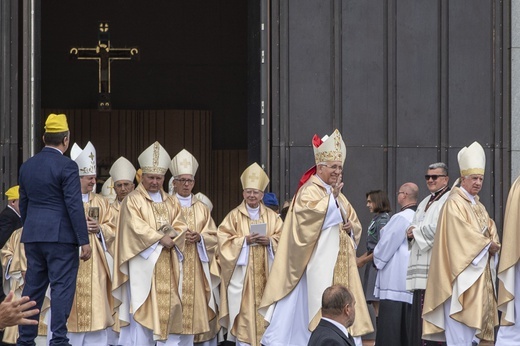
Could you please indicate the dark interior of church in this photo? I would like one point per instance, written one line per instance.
(193, 55)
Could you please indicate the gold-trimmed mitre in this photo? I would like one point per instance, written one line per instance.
(472, 160)
(154, 160)
(184, 163)
(122, 169)
(254, 177)
(84, 158)
(107, 190)
(205, 200)
(332, 148)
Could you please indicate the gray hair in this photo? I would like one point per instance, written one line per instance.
(440, 165)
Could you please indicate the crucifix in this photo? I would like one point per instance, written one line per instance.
(104, 54)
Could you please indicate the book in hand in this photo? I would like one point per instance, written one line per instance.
(259, 228)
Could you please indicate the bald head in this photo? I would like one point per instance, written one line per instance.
(407, 194)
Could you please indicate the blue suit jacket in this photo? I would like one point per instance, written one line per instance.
(50, 200)
(327, 334)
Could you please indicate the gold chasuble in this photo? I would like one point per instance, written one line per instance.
(153, 281)
(300, 241)
(196, 288)
(14, 263)
(240, 302)
(463, 231)
(93, 306)
(509, 256)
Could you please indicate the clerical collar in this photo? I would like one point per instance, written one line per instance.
(440, 191)
(436, 195)
(412, 206)
(327, 186)
(254, 213)
(156, 196)
(185, 201)
(84, 197)
(469, 195)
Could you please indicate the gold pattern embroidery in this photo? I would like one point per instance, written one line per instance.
(83, 296)
(341, 268)
(259, 271)
(188, 278)
(163, 274)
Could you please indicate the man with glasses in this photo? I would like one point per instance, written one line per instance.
(459, 303)
(199, 311)
(421, 235)
(316, 250)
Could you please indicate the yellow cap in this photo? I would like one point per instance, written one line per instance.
(13, 193)
(56, 123)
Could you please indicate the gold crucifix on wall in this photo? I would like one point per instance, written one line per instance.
(104, 54)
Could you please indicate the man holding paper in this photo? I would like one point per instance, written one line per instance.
(247, 239)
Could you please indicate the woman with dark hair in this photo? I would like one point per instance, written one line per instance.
(379, 205)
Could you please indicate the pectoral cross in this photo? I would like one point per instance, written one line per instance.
(104, 54)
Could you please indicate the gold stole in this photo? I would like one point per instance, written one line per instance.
(259, 279)
(83, 297)
(341, 268)
(490, 304)
(188, 278)
(165, 283)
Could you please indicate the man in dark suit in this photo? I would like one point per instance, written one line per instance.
(54, 226)
(338, 313)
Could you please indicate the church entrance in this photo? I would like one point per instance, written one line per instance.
(172, 71)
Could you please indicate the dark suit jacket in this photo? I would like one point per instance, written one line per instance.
(50, 200)
(9, 222)
(327, 334)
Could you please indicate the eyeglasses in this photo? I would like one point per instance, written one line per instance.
(433, 176)
(334, 167)
(400, 192)
(185, 181)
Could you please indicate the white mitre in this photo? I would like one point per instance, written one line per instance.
(205, 200)
(122, 169)
(154, 159)
(472, 160)
(332, 148)
(107, 190)
(184, 163)
(85, 158)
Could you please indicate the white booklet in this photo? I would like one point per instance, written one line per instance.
(260, 228)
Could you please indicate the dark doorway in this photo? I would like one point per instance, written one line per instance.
(193, 56)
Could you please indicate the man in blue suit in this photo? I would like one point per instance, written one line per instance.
(338, 313)
(54, 226)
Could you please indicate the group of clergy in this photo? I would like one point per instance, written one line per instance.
(162, 273)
